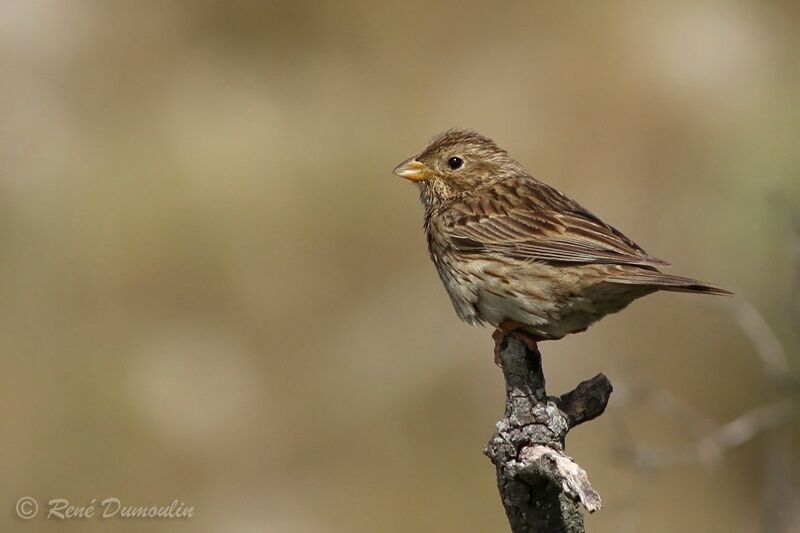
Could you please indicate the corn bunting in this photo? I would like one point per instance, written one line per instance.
(516, 253)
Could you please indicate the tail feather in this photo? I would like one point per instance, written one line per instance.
(668, 282)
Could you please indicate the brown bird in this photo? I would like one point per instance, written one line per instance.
(516, 253)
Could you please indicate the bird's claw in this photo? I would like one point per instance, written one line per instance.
(513, 328)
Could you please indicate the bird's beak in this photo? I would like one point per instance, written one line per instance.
(413, 170)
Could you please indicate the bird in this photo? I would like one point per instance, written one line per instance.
(515, 253)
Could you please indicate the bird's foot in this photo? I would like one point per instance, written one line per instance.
(513, 328)
(498, 337)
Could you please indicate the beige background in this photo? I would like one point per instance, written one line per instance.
(214, 290)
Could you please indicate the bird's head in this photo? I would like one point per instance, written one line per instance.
(455, 162)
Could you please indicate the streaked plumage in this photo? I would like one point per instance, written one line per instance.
(511, 248)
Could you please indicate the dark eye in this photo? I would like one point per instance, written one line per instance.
(455, 163)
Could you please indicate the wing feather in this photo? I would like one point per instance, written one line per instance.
(546, 226)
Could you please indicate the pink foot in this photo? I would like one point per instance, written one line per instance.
(512, 327)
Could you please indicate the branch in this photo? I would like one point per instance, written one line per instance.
(540, 486)
(711, 448)
(713, 439)
(768, 346)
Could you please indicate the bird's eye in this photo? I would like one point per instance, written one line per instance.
(455, 163)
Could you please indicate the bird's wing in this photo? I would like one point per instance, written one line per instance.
(530, 220)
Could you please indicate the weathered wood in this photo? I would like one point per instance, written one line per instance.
(540, 486)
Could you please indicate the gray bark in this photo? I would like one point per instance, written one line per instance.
(540, 486)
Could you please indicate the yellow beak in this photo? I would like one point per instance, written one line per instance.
(413, 170)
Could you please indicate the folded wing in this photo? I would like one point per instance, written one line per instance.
(528, 220)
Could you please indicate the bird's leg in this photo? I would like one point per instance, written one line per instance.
(498, 337)
(511, 327)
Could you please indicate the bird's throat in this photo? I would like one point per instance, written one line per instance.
(434, 191)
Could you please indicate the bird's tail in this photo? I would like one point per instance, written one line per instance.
(667, 282)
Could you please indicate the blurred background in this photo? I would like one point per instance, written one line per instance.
(214, 290)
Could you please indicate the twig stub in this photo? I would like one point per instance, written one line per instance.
(539, 485)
